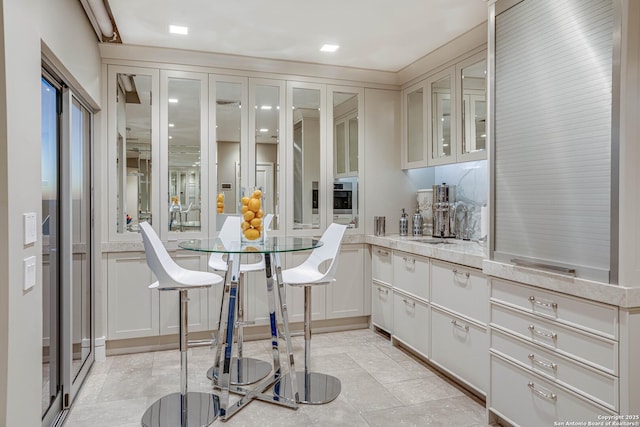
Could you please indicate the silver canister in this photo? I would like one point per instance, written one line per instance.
(444, 198)
(379, 225)
(416, 224)
(404, 224)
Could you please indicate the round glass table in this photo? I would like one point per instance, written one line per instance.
(221, 374)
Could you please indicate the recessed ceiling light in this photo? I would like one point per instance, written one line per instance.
(264, 130)
(178, 29)
(171, 125)
(265, 107)
(170, 137)
(329, 48)
(173, 100)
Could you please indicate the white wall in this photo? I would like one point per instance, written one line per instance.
(21, 319)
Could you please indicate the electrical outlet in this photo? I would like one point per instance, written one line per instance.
(29, 272)
(30, 228)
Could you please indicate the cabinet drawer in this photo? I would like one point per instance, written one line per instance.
(461, 348)
(461, 290)
(588, 348)
(411, 274)
(526, 399)
(381, 265)
(591, 316)
(411, 322)
(590, 382)
(382, 306)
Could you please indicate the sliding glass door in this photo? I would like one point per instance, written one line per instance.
(68, 299)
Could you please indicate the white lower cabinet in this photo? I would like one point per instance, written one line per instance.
(345, 296)
(461, 347)
(382, 306)
(526, 399)
(411, 322)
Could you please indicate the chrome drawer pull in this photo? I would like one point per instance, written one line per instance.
(543, 363)
(385, 253)
(544, 334)
(459, 326)
(411, 304)
(383, 291)
(409, 260)
(551, 305)
(465, 273)
(547, 395)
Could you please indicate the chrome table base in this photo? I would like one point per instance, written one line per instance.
(194, 410)
(244, 371)
(313, 388)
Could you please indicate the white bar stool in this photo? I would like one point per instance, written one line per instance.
(244, 370)
(184, 408)
(313, 387)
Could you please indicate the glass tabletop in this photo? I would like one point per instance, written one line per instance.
(270, 245)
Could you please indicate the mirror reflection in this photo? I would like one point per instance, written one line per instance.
(441, 120)
(474, 109)
(415, 136)
(228, 136)
(345, 146)
(184, 130)
(133, 154)
(306, 158)
(267, 137)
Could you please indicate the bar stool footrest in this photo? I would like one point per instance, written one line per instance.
(202, 409)
(313, 388)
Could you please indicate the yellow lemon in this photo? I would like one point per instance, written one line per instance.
(257, 194)
(245, 201)
(256, 222)
(249, 215)
(245, 225)
(251, 234)
(254, 205)
(220, 210)
(220, 204)
(221, 197)
(259, 214)
(244, 209)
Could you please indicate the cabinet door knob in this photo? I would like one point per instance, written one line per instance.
(544, 394)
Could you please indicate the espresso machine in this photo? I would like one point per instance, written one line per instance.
(444, 199)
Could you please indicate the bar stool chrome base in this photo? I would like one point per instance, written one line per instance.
(244, 371)
(202, 409)
(313, 388)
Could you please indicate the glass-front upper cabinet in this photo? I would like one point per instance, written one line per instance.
(183, 127)
(266, 119)
(441, 113)
(471, 79)
(414, 144)
(132, 149)
(343, 115)
(231, 155)
(307, 178)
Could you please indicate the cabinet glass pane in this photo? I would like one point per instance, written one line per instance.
(415, 135)
(340, 148)
(474, 107)
(133, 151)
(267, 109)
(345, 185)
(441, 110)
(184, 154)
(306, 158)
(228, 125)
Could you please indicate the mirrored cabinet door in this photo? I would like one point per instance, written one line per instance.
(442, 130)
(183, 133)
(414, 126)
(230, 96)
(343, 114)
(306, 121)
(471, 78)
(133, 149)
(266, 121)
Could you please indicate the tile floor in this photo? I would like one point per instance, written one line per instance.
(382, 385)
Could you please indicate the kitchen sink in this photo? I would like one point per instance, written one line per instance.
(435, 241)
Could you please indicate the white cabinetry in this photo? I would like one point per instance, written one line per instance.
(382, 290)
(553, 356)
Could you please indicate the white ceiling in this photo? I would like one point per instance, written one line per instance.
(373, 34)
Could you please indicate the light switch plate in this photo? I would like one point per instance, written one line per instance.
(29, 272)
(30, 228)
